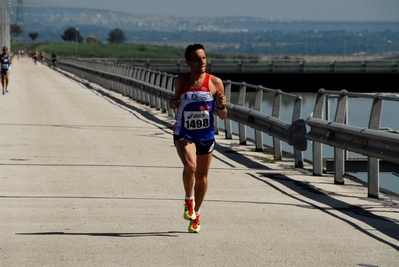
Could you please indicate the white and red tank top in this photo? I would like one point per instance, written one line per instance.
(194, 119)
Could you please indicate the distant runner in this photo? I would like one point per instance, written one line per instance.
(6, 62)
(54, 59)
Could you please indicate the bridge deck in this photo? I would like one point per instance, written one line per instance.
(89, 177)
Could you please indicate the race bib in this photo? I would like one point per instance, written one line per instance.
(4, 66)
(196, 120)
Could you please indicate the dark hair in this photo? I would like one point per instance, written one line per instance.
(192, 48)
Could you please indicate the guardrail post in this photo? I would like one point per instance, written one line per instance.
(112, 82)
(258, 107)
(317, 147)
(150, 79)
(242, 131)
(138, 74)
(277, 149)
(163, 84)
(373, 164)
(373, 177)
(151, 98)
(97, 78)
(104, 80)
(170, 87)
(144, 77)
(118, 84)
(130, 88)
(124, 74)
(157, 101)
(126, 70)
(111, 69)
(339, 153)
(227, 123)
(115, 84)
(296, 115)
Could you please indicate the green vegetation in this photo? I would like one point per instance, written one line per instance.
(101, 50)
(33, 36)
(108, 50)
(72, 34)
(15, 30)
(116, 36)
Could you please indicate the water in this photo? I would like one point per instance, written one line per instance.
(358, 115)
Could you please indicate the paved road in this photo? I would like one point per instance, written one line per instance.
(91, 178)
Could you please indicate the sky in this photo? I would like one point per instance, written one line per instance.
(321, 10)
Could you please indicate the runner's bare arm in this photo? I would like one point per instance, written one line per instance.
(220, 98)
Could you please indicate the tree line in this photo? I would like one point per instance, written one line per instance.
(73, 34)
(251, 43)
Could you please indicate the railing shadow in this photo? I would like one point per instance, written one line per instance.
(384, 225)
(142, 112)
(239, 158)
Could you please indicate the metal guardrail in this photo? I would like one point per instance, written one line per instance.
(372, 142)
(292, 133)
(259, 66)
(155, 88)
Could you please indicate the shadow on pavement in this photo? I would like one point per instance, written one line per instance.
(164, 234)
(384, 225)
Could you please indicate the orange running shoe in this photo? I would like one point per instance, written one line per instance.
(195, 226)
(189, 213)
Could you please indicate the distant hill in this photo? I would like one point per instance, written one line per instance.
(44, 18)
(221, 34)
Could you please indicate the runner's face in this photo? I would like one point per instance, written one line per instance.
(198, 61)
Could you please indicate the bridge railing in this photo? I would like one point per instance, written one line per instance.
(155, 88)
(293, 133)
(374, 142)
(256, 65)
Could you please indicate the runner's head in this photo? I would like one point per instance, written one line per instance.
(190, 49)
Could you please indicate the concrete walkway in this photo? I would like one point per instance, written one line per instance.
(91, 178)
